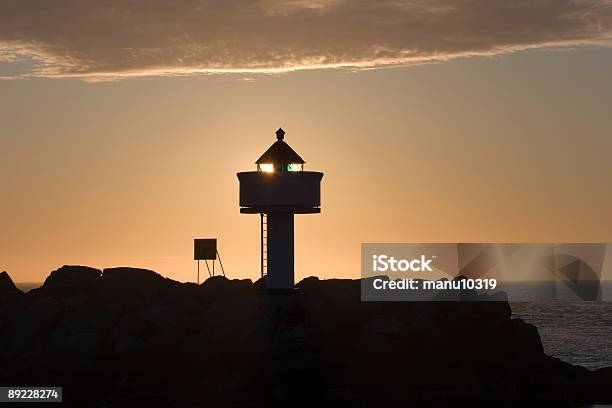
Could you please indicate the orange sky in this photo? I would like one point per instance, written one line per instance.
(512, 148)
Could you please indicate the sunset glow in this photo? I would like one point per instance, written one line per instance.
(432, 123)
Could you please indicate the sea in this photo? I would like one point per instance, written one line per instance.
(576, 331)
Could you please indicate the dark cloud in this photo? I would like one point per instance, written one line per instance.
(123, 38)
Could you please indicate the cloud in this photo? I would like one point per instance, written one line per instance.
(105, 40)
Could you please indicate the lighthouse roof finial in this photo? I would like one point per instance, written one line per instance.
(280, 134)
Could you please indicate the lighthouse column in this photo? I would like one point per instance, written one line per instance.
(280, 250)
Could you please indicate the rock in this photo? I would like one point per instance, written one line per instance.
(228, 340)
(526, 338)
(261, 283)
(75, 300)
(220, 287)
(131, 324)
(161, 318)
(129, 344)
(308, 283)
(28, 327)
(221, 282)
(12, 302)
(82, 345)
(6, 284)
(382, 324)
(597, 388)
(99, 318)
(463, 389)
(294, 334)
(23, 335)
(73, 275)
(44, 311)
(68, 280)
(130, 276)
(134, 288)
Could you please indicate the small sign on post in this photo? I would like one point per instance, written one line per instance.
(206, 249)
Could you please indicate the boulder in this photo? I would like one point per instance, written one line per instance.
(69, 280)
(526, 338)
(134, 288)
(130, 276)
(82, 345)
(73, 275)
(161, 318)
(308, 283)
(131, 324)
(6, 284)
(100, 318)
(598, 387)
(226, 340)
(28, 327)
(44, 311)
(128, 344)
(220, 287)
(261, 283)
(11, 299)
(12, 302)
(383, 324)
(23, 335)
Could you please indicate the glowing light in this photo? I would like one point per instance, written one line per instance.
(268, 168)
(295, 167)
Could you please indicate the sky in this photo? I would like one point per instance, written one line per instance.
(122, 127)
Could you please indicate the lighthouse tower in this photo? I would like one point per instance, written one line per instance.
(279, 189)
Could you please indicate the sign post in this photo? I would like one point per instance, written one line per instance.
(205, 249)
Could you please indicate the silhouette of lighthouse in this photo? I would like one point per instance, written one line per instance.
(279, 189)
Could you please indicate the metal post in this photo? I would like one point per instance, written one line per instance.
(205, 261)
(198, 271)
(220, 263)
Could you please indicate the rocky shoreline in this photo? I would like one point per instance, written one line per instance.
(130, 337)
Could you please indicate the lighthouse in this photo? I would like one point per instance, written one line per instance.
(277, 190)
